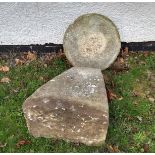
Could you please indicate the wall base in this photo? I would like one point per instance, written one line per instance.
(50, 47)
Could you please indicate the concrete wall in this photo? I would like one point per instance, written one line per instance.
(39, 23)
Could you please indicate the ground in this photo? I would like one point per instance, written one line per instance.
(131, 102)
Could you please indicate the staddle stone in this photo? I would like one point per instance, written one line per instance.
(72, 106)
(92, 41)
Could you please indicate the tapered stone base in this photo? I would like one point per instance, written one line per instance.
(73, 106)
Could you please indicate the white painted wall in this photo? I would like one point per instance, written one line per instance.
(31, 23)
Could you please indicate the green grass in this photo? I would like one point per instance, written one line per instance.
(132, 119)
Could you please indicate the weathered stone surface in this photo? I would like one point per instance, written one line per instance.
(92, 41)
(73, 106)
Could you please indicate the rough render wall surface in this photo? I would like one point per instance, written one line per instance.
(32, 23)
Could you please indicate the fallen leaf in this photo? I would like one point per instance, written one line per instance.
(77, 144)
(119, 65)
(22, 142)
(24, 56)
(111, 95)
(110, 148)
(134, 130)
(146, 148)
(48, 57)
(45, 65)
(112, 84)
(120, 98)
(107, 79)
(19, 62)
(60, 54)
(135, 93)
(135, 103)
(142, 62)
(130, 118)
(121, 60)
(145, 53)
(5, 80)
(152, 76)
(151, 99)
(4, 69)
(139, 118)
(125, 52)
(15, 90)
(41, 78)
(113, 149)
(2, 145)
(31, 56)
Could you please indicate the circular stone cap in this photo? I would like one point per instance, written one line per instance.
(92, 41)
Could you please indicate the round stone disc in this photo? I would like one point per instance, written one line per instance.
(92, 41)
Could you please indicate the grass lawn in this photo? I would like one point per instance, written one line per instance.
(132, 113)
